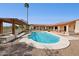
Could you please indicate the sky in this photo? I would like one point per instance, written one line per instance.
(41, 13)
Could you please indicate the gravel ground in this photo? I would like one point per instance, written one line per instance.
(22, 49)
(19, 49)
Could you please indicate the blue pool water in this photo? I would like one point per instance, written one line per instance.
(44, 37)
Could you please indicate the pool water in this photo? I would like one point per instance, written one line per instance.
(44, 37)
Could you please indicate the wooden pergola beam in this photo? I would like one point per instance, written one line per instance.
(13, 21)
(1, 26)
(13, 27)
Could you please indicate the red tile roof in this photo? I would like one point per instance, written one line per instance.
(62, 23)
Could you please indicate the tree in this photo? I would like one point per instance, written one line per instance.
(27, 6)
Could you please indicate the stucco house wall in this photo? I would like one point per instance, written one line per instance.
(77, 26)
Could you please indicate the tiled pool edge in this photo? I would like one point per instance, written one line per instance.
(62, 44)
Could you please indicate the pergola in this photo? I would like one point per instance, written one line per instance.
(13, 21)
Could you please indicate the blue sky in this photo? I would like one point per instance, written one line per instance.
(41, 13)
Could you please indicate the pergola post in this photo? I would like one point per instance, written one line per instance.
(13, 27)
(1, 26)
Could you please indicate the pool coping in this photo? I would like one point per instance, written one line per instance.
(63, 43)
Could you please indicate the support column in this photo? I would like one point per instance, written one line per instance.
(13, 27)
(54, 28)
(30, 28)
(1, 27)
(58, 28)
(67, 28)
(45, 27)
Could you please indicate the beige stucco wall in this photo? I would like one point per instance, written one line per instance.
(77, 26)
(71, 27)
(62, 28)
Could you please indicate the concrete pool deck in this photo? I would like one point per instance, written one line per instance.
(13, 50)
(71, 50)
(63, 43)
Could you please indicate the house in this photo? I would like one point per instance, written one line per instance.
(69, 27)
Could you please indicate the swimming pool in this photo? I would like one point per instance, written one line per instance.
(45, 40)
(44, 37)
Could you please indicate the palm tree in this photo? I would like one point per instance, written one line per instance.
(27, 6)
